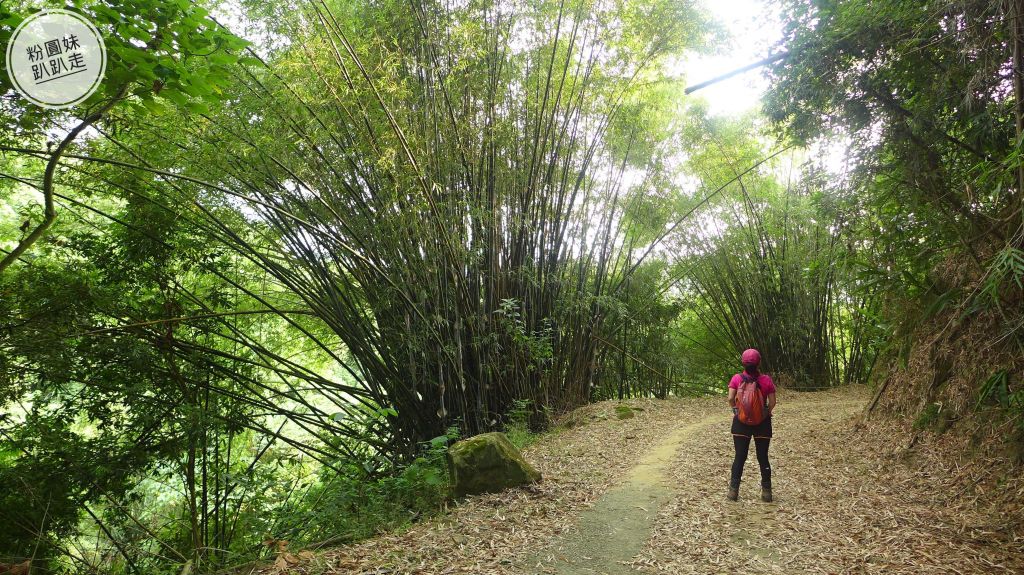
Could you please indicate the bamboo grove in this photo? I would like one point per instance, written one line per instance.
(774, 266)
(459, 235)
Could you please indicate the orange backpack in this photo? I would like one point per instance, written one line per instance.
(750, 401)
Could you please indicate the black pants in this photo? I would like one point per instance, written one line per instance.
(742, 444)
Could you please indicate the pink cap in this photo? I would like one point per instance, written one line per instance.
(751, 357)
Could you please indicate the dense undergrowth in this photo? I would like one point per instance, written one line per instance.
(349, 506)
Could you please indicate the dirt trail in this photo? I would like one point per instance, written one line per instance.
(647, 495)
(612, 533)
(615, 529)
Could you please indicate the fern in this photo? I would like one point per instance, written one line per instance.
(1007, 268)
(996, 387)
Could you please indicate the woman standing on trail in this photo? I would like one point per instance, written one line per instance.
(752, 399)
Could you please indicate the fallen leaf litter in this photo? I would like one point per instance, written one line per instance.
(849, 499)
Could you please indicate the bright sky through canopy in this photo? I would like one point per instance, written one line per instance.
(753, 30)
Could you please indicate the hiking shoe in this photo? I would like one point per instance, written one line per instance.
(766, 494)
(734, 493)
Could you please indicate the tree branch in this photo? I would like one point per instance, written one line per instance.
(49, 211)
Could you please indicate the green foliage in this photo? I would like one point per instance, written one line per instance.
(349, 505)
(517, 426)
(917, 89)
(75, 440)
(535, 347)
(929, 417)
(775, 267)
(160, 54)
(1005, 274)
(922, 94)
(996, 389)
(646, 347)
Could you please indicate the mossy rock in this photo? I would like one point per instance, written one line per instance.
(624, 412)
(488, 463)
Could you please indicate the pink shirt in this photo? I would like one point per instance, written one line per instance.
(763, 381)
